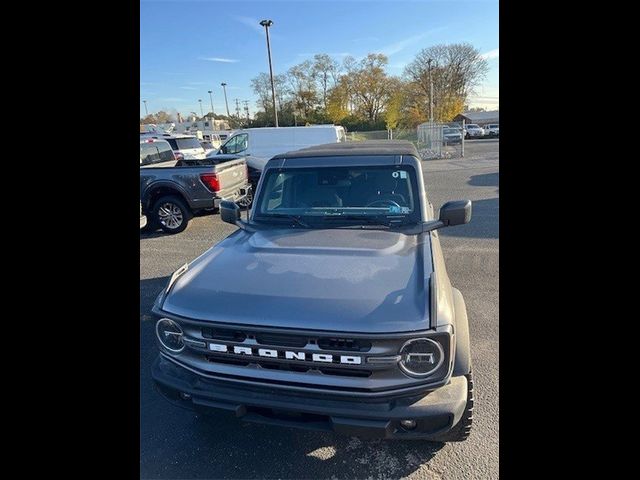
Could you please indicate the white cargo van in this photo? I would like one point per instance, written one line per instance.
(260, 144)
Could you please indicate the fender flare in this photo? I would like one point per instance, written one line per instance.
(167, 184)
(462, 362)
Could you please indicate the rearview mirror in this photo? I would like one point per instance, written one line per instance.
(452, 213)
(456, 212)
(229, 212)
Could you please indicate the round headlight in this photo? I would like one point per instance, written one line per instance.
(170, 335)
(421, 357)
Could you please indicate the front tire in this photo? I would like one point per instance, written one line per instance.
(171, 214)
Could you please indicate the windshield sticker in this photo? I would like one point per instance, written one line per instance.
(398, 209)
(395, 174)
(403, 174)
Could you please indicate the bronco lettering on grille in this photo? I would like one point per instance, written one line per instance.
(286, 354)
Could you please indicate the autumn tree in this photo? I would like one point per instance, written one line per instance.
(455, 71)
(369, 85)
(338, 101)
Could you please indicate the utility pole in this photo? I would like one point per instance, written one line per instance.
(237, 108)
(211, 98)
(224, 87)
(246, 109)
(430, 93)
(266, 24)
(201, 111)
(145, 107)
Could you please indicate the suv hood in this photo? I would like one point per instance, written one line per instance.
(345, 280)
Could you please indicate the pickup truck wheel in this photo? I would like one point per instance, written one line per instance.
(170, 214)
(460, 431)
(247, 200)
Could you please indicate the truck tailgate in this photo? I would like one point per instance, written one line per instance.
(232, 175)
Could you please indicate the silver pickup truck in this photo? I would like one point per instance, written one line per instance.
(172, 190)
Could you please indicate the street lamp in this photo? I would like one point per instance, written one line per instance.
(211, 98)
(145, 107)
(201, 111)
(224, 87)
(266, 24)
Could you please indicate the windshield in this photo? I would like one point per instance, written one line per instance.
(355, 195)
(450, 130)
(184, 143)
(472, 125)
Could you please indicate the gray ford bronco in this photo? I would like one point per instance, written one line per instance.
(329, 308)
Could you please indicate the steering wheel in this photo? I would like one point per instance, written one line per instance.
(383, 203)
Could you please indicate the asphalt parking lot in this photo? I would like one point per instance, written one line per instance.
(175, 443)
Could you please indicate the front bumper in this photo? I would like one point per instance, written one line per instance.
(435, 412)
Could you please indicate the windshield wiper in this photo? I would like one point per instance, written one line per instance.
(295, 218)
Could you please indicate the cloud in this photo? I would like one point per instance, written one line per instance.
(495, 53)
(196, 83)
(219, 59)
(188, 88)
(250, 22)
(402, 44)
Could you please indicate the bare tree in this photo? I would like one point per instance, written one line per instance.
(325, 69)
(261, 86)
(301, 81)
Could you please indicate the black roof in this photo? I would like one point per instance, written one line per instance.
(368, 147)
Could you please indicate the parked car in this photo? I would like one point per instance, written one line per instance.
(143, 218)
(172, 190)
(451, 136)
(473, 130)
(329, 308)
(493, 130)
(186, 146)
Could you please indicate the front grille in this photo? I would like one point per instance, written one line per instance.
(329, 361)
(222, 334)
(292, 367)
(345, 344)
(281, 340)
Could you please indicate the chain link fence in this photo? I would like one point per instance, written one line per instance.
(432, 140)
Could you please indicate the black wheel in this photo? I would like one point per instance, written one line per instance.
(460, 431)
(170, 214)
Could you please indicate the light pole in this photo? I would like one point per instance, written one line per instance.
(224, 88)
(145, 107)
(430, 93)
(211, 98)
(266, 24)
(201, 111)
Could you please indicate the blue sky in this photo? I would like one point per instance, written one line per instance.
(191, 46)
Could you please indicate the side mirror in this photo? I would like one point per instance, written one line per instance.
(229, 212)
(456, 212)
(452, 213)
